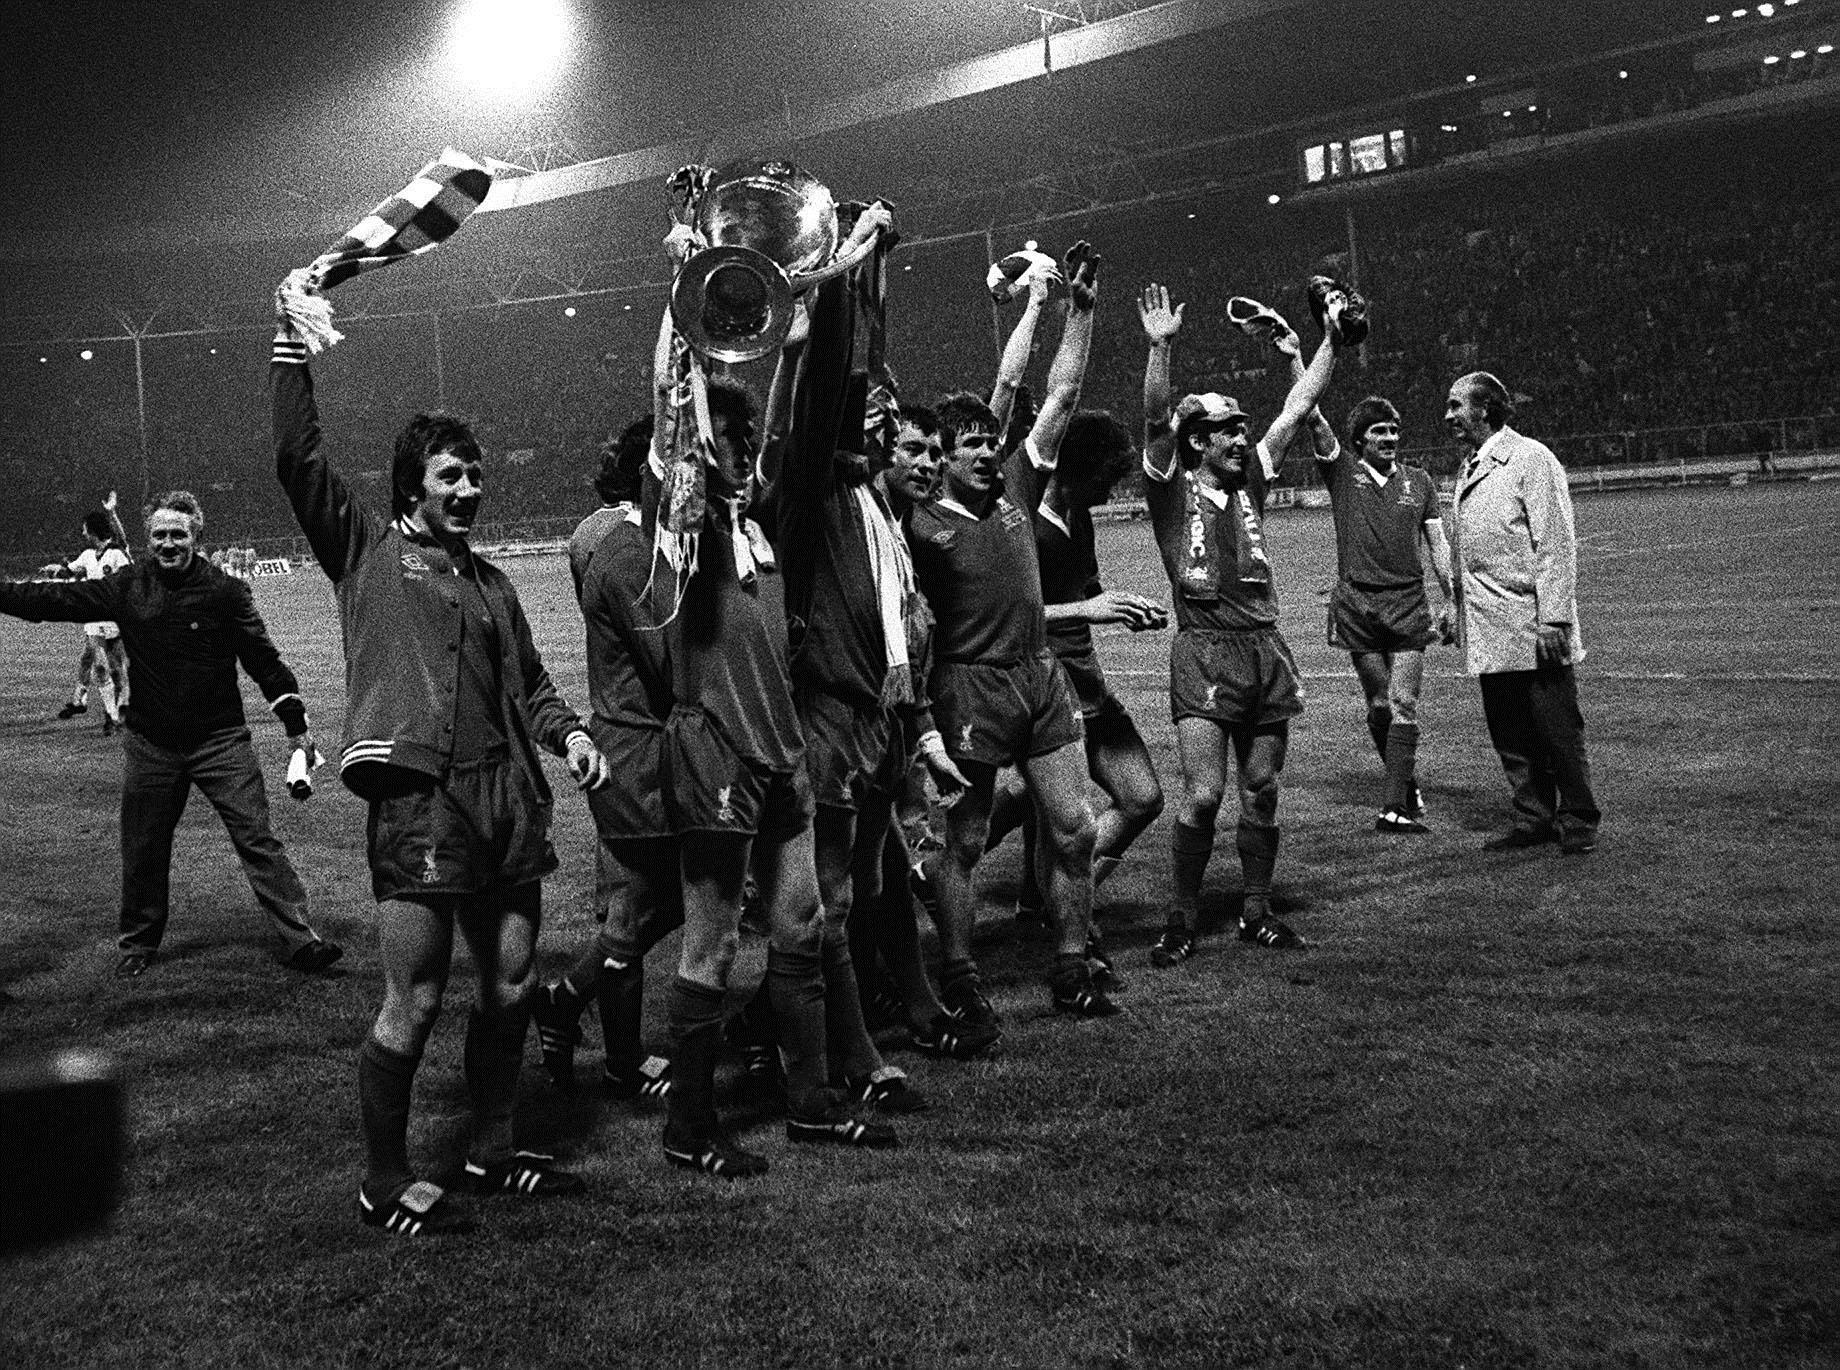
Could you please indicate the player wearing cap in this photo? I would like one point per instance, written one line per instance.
(1378, 612)
(1233, 684)
(998, 693)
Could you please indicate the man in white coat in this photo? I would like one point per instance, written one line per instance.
(1517, 561)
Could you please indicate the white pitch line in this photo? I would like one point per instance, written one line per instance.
(1589, 541)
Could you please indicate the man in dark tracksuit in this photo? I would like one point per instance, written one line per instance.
(446, 702)
(186, 625)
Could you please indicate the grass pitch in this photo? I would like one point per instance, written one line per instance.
(1511, 1110)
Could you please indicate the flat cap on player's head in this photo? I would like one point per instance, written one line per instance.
(1209, 408)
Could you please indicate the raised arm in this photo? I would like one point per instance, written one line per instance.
(1306, 389)
(1017, 351)
(1322, 437)
(664, 384)
(111, 507)
(777, 421)
(337, 525)
(1068, 372)
(1161, 324)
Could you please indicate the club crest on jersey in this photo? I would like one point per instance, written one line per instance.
(725, 811)
(944, 537)
(431, 871)
(964, 737)
(413, 561)
(1213, 697)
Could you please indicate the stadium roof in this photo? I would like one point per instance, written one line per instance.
(201, 121)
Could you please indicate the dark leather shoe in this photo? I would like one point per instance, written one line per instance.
(1578, 844)
(1516, 838)
(133, 965)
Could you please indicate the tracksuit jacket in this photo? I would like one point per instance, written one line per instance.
(399, 608)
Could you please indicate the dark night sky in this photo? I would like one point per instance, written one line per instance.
(191, 120)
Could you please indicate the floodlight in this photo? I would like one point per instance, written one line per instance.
(87, 355)
(1771, 60)
(1622, 76)
(1798, 54)
(1824, 49)
(508, 45)
(569, 313)
(1272, 199)
(1712, 18)
(1470, 80)
(1766, 10)
(1739, 14)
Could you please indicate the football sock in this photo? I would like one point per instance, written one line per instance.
(493, 1057)
(573, 991)
(896, 928)
(1379, 723)
(1190, 848)
(755, 1025)
(1028, 891)
(1069, 971)
(1401, 766)
(385, 1081)
(695, 1015)
(796, 982)
(79, 697)
(956, 974)
(619, 992)
(1258, 854)
(845, 1032)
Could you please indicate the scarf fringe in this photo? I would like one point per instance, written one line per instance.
(304, 310)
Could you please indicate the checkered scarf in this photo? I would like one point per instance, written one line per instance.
(410, 222)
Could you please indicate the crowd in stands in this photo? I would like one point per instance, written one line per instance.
(1677, 284)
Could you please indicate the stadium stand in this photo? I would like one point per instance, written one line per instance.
(1643, 318)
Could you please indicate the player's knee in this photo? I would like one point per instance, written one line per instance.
(1072, 834)
(504, 993)
(709, 959)
(1258, 796)
(1140, 806)
(963, 846)
(1201, 803)
(1405, 708)
(836, 909)
(798, 935)
(411, 1010)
